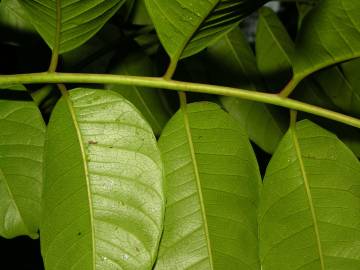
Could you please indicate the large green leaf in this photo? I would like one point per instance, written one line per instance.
(310, 205)
(22, 137)
(72, 21)
(146, 100)
(212, 185)
(186, 27)
(233, 63)
(103, 201)
(329, 34)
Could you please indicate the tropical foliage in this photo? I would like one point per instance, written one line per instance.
(253, 165)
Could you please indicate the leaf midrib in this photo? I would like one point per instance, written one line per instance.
(187, 41)
(198, 182)
(308, 194)
(86, 173)
(277, 42)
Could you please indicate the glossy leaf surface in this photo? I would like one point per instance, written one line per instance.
(22, 137)
(186, 27)
(309, 212)
(103, 201)
(212, 186)
(74, 21)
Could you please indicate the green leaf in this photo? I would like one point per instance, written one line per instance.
(339, 88)
(139, 15)
(304, 8)
(234, 64)
(336, 88)
(103, 201)
(309, 211)
(73, 22)
(148, 101)
(186, 27)
(265, 125)
(13, 15)
(273, 49)
(22, 137)
(212, 185)
(329, 34)
(327, 88)
(350, 70)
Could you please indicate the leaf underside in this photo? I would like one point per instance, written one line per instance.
(103, 200)
(212, 185)
(22, 137)
(309, 211)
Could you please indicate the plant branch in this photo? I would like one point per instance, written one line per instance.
(154, 82)
(290, 87)
(170, 70)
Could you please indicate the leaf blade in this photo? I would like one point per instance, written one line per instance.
(117, 220)
(146, 100)
(233, 64)
(315, 46)
(273, 49)
(187, 27)
(184, 244)
(79, 20)
(332, 172)
(21, 152)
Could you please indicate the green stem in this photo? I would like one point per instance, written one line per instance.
(290, 87)
(171, 70)
(293, 117)
(55, 51)
(152, 82)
